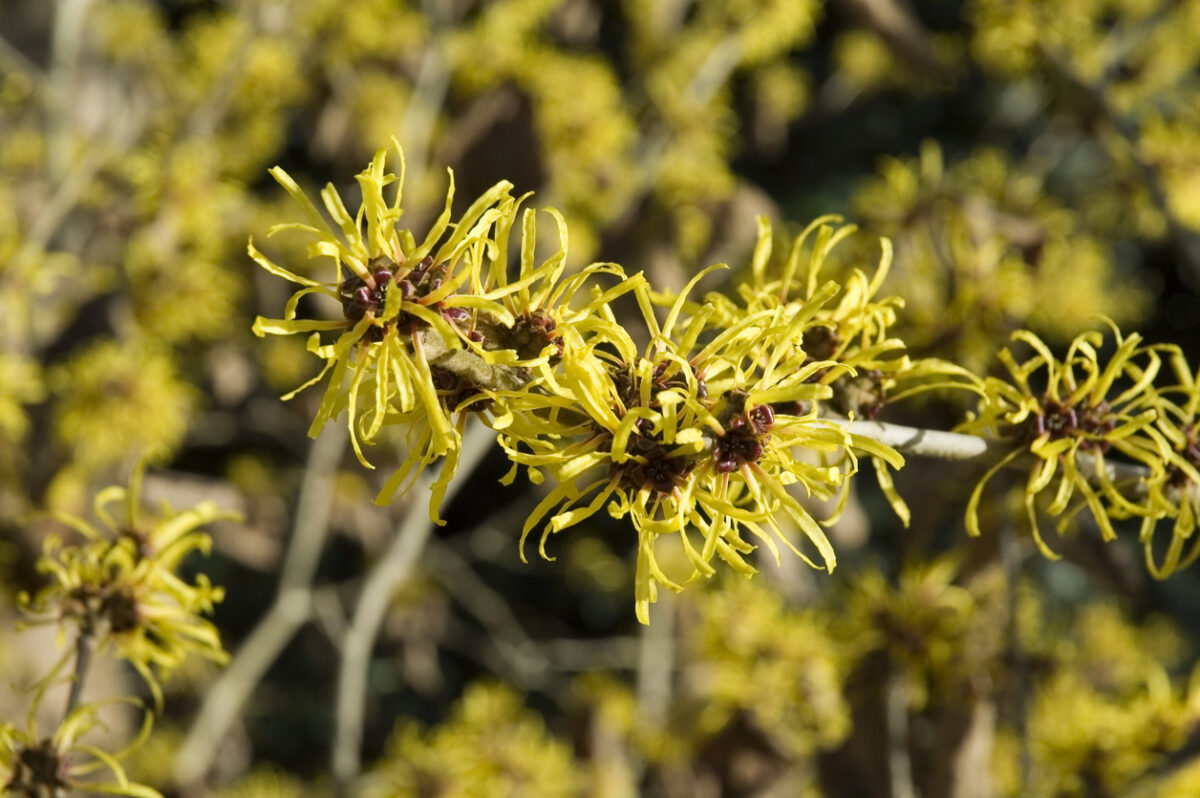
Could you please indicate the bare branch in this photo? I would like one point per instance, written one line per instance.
(656, 663)
(291, 609)
(518, 649)
(928, 442)
(957, 446)
(395, 567)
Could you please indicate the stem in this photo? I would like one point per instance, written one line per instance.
(899, 761)
(656, 661)
(527, 663)
(927, 442)
(902, 32)
(13, 59)
(428, 97)
(709, 77)
(291, 609)
(468, 365)
(655, 665)
(1012, 557)
(70, 19)
(205, 118)
(395, 567)
(1127, 477)
(85, 645)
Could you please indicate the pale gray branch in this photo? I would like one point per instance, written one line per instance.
(459, 579)
(943, 445)
(899, 759)
(656, 662)
(927, 442)
(291, 609)
(395, 567)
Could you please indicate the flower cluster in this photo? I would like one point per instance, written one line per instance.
(1101, 434)
(428, 331)
(35, 766)
(120, 587)
(855, 332)
(689, 438)
(1173, 491)
(1112, 701)
(707, 425)
(492, 744)
(703, 433)
(790, 688)
(984, 246)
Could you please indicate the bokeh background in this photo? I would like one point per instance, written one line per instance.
(1035, 162)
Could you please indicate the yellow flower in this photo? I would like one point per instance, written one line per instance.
(853, 332)
(788, 686)
(682, 441)
(513, 335)
(120, 585)
(20, 384)
(1059, 411)
(390, 289)
(1174, 491)
(615, 412)
(404, 305)
(35, 766)
(763, 393)
(117, 397)
(921, 620)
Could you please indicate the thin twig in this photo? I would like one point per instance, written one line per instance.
(85, 644)
(928, 442)
(291, 609)
(895, 23)
(60, 204)
(207, 116)
(899, 759)
(656, 663)
(518, 649)
(16, 60)
(654, 675)
(70, 20)
(470, 366)
(428, 96)
(708, 78)
(611, 653)
(395, 567)
(1011, 556)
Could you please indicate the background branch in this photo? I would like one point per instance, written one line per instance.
(395, 567)
(292, 608)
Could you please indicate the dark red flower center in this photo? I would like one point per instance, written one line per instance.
(1058, 419)
(360, 296)
(651, 464)
(746, 435)
(37, 771)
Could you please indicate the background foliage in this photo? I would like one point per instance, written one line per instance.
(1034, 163)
